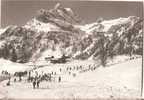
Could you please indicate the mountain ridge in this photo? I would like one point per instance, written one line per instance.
(59, 30)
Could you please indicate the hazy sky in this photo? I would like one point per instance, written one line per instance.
(18, 12)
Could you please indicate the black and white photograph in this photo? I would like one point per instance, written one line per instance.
(71, 49)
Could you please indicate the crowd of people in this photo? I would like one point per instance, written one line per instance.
(73, 70)
(35, 78)
(31, 77)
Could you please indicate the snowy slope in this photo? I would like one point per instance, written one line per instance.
(117, 81)
(11, 67)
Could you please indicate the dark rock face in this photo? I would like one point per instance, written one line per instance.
(21, 44)
(59, 12)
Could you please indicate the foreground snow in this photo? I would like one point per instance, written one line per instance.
(119, 80)
(11, 67)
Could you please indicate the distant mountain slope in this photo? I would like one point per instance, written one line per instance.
(112, 37)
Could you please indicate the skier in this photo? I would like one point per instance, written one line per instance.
(15, 79)
(60, 69)
(29, 76)
(59, 79)
(8, 83)
(20, 76)
(34, 83)
(38, 82)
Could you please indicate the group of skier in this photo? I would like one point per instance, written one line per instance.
(37, 78)
(32, 76)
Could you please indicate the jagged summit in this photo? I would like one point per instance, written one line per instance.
(58, 12)
(56, 19)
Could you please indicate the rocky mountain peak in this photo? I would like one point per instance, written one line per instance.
(58, 18)
(58, 12)
(56, 31)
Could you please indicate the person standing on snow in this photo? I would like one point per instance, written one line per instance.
(34, 83)
(59, 79)
(38, 82)
(8, 83)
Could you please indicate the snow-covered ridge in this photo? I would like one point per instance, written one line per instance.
(39, 26)
(89, 28)
(2, 30)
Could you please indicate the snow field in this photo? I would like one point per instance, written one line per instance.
(116, 81)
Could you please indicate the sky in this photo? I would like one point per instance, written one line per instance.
(18, 12)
